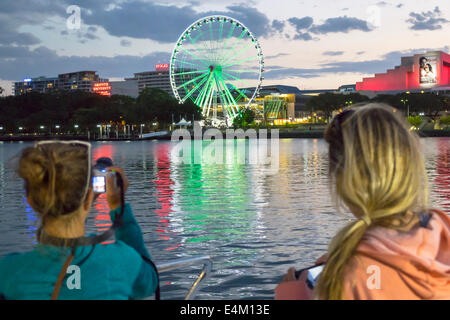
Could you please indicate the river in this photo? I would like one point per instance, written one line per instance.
(254, 223)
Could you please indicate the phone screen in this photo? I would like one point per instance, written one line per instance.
(99, 184)
(313, 275)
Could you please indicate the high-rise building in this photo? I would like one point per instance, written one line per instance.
(40, 84)
(80, 80)
(74, 81)
(125, 88)
(153, 79)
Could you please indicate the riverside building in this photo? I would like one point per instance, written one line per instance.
(73, 81)
(425, 72)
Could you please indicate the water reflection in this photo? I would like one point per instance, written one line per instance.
(442, 180)
(254, 223)
(164, 196)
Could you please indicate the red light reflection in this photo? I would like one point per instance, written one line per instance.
(164, 193)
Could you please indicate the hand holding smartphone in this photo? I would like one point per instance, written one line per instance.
(312, 276)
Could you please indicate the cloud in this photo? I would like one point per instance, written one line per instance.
(165, 23)
(276, 56)
(333, 53)
(429, 20)
(301, 23)
(382, 3)
(385, 62)
(278, 25)
(9, 35)
(18, 62)
(340, 24)
(125, 43)
(305, 26)
(90, 36)
(301, 26)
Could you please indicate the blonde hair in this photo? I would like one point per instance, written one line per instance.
(377, 171)
(55, 177)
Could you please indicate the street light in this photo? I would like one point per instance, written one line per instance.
(76, 126)
(404, 101)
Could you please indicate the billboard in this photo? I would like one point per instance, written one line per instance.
(102, 88)
(428, 70)
(162, 67)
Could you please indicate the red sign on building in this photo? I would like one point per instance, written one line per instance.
(162, 67)
(102, 88)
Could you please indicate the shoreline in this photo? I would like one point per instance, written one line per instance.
(313, 134)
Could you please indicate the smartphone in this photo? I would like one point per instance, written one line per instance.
(313, 275)
(99, 184)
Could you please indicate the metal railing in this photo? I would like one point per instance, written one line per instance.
(180, 263)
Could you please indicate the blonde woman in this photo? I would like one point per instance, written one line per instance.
(396, 247)
(66, 264)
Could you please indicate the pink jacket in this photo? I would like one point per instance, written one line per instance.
(390, 264)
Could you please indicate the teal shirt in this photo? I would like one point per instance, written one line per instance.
(110, 271)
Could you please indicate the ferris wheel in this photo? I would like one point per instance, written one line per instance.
(219, 65)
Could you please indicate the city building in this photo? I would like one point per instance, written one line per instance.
(426, 72)
(80, 80)
(73, 81)
(159, 79)
(40, 84)
(128, 87)
(280, 104)
(348, 88)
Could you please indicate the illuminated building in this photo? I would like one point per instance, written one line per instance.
(41, 84)
(428, 71)
(280, 104)
(79, 81)
(158, 79)
(73, 81)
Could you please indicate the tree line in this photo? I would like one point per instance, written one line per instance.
(412, 104)
(37, 112)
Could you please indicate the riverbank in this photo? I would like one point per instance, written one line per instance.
(283, 134)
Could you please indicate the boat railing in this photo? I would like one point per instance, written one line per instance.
(185, 262)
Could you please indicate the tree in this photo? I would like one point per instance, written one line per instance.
(157, 105)
(415, 121)
(244, 118)
(1, 91)
(326, 103)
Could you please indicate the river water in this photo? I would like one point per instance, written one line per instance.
(254, 223)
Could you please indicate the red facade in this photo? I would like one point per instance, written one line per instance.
(419, 72)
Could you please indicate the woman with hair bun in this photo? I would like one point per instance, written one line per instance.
(65, 264)
(396, 247)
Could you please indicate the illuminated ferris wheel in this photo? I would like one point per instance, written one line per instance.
(219, 65)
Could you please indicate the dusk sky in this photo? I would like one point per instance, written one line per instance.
(318, 44)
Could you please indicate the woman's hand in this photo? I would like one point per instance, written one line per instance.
(112, 189)
(290, 275)
(323, 259)
(292, 288)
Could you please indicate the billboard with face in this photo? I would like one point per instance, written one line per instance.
(428, 70)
